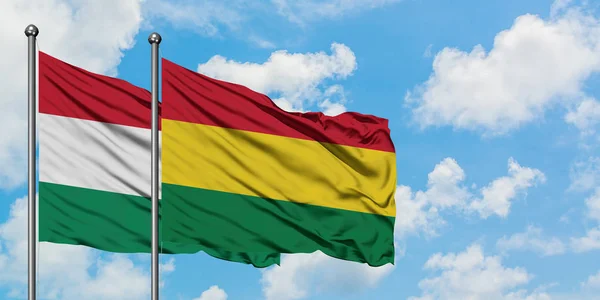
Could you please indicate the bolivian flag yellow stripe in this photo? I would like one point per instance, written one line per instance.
(276, 167)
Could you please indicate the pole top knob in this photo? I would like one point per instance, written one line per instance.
(154, 38)
(31, 30)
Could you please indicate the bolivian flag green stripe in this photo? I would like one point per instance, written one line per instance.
(215, 219)
(115, 222)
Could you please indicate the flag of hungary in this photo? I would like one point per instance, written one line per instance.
(95, 165)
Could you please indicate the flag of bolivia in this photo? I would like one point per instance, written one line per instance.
(239, 173)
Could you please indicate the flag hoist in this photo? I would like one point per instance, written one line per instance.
(31, 32)
(154, 39)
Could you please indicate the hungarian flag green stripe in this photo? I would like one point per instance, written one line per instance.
(94, 164)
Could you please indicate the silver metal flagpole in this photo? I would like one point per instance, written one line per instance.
(154, 39)
(31, 32)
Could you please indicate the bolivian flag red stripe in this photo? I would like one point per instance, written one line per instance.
(239, 173)
(222, 104)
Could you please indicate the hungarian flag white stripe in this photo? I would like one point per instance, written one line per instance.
(95, 155)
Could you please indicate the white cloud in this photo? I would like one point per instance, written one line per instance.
(331, 108)
(585, 117)
(90, 34)
(532, 240)
(301, 275)
(261, 42)
(333, 101)
(446, 190)
(593, 205)
(291, 90)
(203, 17)
(532, 66)
(164, 268)
(420, 211)
(585, 175)
(67, 271)
(472, 275)
(592, 283)
(213, 293)
(415, 214)
(524, 295)
(497, 196)
(167, 267)
(308, 10)
(591, 241)
(443, 185)
(559, 6)
(587, 243)
(427, 52)
(117, 278)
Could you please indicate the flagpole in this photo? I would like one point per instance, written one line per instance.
(31, 32)
(154, 39)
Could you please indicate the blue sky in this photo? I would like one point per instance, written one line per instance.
(492, 106)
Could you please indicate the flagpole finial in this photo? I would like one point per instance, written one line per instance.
(31, 30)
(154, 38)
